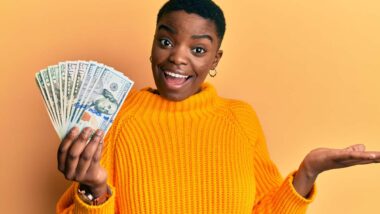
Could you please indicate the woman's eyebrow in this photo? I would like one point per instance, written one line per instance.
(167, 28)
(202, 36)
(173, 31)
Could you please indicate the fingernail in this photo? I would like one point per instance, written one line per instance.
(75, 129)
(372, 156)
(99, 132)
(88, 130)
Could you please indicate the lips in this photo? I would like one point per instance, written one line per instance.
(175, 75)
(174, 78)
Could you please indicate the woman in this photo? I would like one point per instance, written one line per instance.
(183, 149)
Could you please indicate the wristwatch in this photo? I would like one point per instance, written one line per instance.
(88, 198)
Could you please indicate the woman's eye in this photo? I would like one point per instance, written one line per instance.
(199, 50)
(165, 43)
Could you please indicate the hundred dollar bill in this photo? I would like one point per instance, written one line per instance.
(81, 73)
(63, 82)
(54, 77)
(72, 67)
(49, 93)
(105, 100)
(81, 93)
(111, 119)
(47, 103)
(90, 80)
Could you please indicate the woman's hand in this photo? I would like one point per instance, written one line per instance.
(323, 159)
(80, 161)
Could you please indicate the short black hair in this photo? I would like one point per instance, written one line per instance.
(204, 8)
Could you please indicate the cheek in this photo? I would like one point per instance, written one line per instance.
(202, 67)
(158, 54)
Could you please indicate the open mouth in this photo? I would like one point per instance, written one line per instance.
(175, 80)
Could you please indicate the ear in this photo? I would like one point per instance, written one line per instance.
(218, 56)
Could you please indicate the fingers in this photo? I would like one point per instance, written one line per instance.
(75, 152)
(356, 147)
(64, 148)
(89, 155)
(348, 156)
(98, 154)
(348, 163)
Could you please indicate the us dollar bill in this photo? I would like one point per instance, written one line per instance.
(105, 100)
(63, 82)
(54, 77)
(82, 94)
(49, 92)
(92, 76)
(72, 67)
(42, 87)
(78, 83)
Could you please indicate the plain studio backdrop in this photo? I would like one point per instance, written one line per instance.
(309, 68)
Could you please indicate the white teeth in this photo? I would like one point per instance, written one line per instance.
(175, 75)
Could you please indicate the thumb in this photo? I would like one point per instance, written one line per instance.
(356, 147)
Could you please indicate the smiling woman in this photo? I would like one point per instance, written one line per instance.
(181, 148)
(185, 48)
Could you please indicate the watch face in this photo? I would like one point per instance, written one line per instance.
(88, 198)
(85, 197)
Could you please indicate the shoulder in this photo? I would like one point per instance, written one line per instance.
(239, 106)
(245, 117)
(241, 109)
(113, 132)
(127, 107)
(125, 112)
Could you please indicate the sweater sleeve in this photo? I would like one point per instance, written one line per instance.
(70, 201)
(273, 193)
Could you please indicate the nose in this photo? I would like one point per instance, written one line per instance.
(178, 56)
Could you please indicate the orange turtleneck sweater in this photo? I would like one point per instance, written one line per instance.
(205, 154)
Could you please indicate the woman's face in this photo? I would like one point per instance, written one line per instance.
(185, 48)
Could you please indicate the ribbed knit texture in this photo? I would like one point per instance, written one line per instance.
(205, 154)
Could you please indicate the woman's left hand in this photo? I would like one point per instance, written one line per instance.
(323, 159)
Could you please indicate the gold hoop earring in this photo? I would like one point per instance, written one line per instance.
(212, 74)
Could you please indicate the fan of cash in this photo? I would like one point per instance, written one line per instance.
(82, 94)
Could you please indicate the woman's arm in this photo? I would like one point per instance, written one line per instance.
(273, 194)
(323, 159)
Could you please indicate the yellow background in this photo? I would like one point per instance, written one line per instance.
(309, 68)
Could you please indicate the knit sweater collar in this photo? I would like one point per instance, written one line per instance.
(205, 100)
